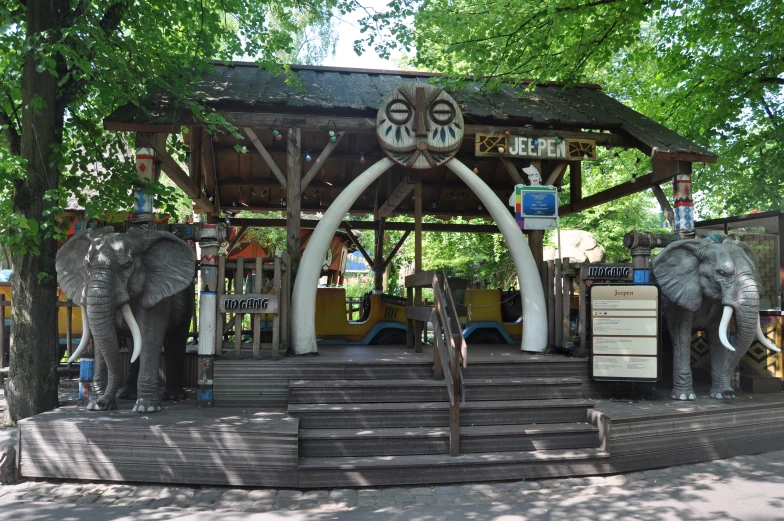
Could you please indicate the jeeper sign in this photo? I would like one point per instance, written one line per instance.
(549, 147)
(248, 303)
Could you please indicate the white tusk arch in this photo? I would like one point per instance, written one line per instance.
(135, 333)
(85, 337)
(764, 341)
(531, 291)
(724, 326)
(303, 297)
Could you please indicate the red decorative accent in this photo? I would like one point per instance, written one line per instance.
(144, 156)
(684, 203)
(205, 364)
(209, 258)
(143, 167)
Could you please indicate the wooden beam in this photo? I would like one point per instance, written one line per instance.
(267, 158)
(340, 186)
(616, 192)
(516, 177)
(236, 240)
(210, 171)
(399, 194)
(314, 206)
(204, 205)
(575, 181)
(665, 205)
(378, 258)
(309, 224)
(396, 248)
(321, 159)
(293, 196)
(354, 241)
(194, 165)
(557, 174)
(368, 125)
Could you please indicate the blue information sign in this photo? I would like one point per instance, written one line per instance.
(541, 204)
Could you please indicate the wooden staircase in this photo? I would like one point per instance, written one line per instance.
(380, 431)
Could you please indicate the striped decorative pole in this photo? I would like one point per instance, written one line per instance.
(211, 235)
(684, 206)
(146, 173)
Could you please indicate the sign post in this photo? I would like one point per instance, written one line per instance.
(625, 331)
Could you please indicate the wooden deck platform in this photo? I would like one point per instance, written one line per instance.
(372, 416)
(181, 444)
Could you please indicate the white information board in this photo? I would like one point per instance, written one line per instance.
(625, 333)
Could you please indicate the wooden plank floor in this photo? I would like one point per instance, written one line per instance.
(181, 444)
(661, 432)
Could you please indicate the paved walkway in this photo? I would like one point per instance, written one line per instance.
(745, 488)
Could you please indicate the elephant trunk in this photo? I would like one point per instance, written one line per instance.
(101, 312)
(746, 313)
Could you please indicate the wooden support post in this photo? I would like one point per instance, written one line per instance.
(221, 286)
(285, 305)
(378, 259)
(575, 181)
(3, 361)
(566, 302)
(513, 173)
(454, 410)
(68, 335)
(664, 204)
(582, 350)
(257, 280)
(320, 160)
(293, 199)
(194, 165)
(399, 194)
(558, 305)
(266, 156)
(238, 315)
(276, 317)
(556, 175)
(418, 261)
(550, 294)
(410, 323)
(210, 171)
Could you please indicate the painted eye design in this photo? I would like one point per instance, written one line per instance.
(419, 126)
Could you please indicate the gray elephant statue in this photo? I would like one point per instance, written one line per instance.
(704, 284)
(140, 284)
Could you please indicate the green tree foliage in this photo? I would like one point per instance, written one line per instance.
(64, 66)
(711, 70)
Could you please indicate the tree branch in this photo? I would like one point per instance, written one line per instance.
(12, 136)
(772, 79)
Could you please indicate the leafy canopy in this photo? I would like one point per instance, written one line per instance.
(712, 70)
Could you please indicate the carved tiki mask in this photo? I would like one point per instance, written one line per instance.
(419, 126)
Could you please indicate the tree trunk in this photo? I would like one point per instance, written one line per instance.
(32, 384)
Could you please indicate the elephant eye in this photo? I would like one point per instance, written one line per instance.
(723, 273)
(124, 262)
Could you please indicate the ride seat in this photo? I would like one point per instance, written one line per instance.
(479, 300)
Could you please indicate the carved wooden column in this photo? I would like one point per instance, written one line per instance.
(684, 206)
(211, 237)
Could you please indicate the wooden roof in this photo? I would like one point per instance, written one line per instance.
(338, 92)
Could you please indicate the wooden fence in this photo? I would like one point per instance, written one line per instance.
(565, 288)
(267, 273)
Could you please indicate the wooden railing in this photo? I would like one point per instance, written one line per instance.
(450, 351)
(564, 287)
(278, 280)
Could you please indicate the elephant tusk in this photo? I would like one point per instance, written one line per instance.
(134, 327)
(724, 327)
(85, 337)
(764, 341)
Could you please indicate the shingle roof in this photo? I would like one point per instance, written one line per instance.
(359, 92)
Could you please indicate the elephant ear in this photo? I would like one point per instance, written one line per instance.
(71, 270)
(748, 251)
(169, 264)
(677, 272)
